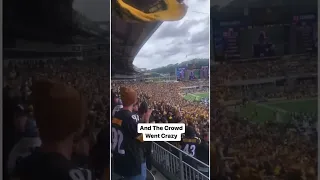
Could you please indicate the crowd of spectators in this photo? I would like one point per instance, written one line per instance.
(92, 80)
(265, 68)
(245, 150)
(305, 87)
(167, 100)
(88, 77)
(168, 103)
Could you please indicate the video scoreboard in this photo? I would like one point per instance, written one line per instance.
(243, 38)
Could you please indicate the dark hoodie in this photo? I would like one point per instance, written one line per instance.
(8, 130)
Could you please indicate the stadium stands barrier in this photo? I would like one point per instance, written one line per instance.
(172, 165)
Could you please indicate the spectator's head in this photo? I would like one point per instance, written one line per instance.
(129, 97)
(30, 110)
(190, 124)
(143, 108)
(31, 129)
(115, 98)
(60, 111)
(136, 107)
(190, 132)
(206, 136)
(20, 120)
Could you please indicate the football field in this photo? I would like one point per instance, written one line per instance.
(196, 96)
(261, 112)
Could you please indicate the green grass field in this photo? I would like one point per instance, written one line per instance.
(267, 111)
(196, 96)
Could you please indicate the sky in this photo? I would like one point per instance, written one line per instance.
(178, 41)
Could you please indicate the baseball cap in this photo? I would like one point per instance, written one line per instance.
(190, 131)
(143, 108)
(59, 110)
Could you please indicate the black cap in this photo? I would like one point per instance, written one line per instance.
(190, 132)
(143, 108)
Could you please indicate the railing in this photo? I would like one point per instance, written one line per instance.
(114, 176)
(176, 164)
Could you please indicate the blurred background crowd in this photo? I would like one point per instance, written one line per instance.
(264, 123)
(87, 77)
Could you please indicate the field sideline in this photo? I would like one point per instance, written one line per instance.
(261, 112)
(196, 96)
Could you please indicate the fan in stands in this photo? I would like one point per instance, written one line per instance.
(160, 102)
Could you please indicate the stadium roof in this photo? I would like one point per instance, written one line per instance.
(128, 38)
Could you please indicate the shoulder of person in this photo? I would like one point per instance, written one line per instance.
(57, 173)
(198, 140)
(21, 150)
(123, 113)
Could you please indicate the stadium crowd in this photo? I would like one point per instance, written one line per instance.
(63, 101)
(42, 101)
(244, 149)
(266, 68)
(169, 104)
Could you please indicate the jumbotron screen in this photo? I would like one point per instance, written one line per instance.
(187, 74)
(226, 39)
(239, 39)
(305, 32)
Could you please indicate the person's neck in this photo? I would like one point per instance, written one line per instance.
(63, 147)
(129, 108)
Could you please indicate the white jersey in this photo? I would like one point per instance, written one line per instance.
(116, 109)
(21, 150)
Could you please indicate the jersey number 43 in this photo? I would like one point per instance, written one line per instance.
(190, 149)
